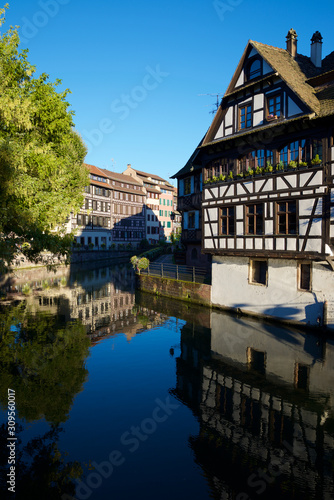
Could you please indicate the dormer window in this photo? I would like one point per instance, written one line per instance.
(254, 69)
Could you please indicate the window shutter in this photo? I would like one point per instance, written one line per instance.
(185, 220)
(197, 219)
(181, 187)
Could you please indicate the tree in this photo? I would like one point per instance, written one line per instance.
(139, 263)
(42, 176)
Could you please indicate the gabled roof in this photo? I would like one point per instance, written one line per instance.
(298, 74)
(291, 71)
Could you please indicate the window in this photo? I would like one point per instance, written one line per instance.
(227, 224)
(215, 169)
(301, 150)
(258, 272)
(304, 276)
(254, 69)
(254, 219)
(245, 116)
(168, 224)
(274, 105)
(187, 185)
(191, 220)
(286, 220)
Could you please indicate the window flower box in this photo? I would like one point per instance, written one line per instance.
(271, 118)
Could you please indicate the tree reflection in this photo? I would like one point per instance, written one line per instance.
(41, 470)
(43, 360)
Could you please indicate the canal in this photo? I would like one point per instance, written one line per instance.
(112, 394)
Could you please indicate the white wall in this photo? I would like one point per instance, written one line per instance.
(280, 298)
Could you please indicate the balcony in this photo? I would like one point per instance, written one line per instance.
(192, 201)
(191, 235)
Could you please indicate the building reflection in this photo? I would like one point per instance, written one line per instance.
(102, 298)
(264, 400)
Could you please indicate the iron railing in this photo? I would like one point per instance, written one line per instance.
(183, 273)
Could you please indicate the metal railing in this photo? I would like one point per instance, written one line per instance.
(183, 273)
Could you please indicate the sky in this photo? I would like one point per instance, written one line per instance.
(144, 75)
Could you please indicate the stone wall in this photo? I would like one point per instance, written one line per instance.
(183, 290)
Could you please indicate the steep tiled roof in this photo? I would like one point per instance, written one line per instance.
(290, 71)
(325, 95)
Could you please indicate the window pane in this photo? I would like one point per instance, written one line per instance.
(259, 272)
(305, 277)
(255, 69)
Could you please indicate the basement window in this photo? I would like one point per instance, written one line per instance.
(305, 276)
(258, 272)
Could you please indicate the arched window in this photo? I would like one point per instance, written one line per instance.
(254, 69)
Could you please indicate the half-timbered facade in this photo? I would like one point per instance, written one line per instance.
(268, 197)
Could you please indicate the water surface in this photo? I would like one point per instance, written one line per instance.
(122, 395)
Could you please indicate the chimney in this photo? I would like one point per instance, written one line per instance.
(291, 43)
(316, 49)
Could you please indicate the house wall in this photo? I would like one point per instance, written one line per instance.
(280, 298)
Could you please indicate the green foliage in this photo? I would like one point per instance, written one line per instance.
(249, 172)
(316, 160)
(139, 263)
(292, 164)
(26, 290)
(269, 167)
(42, 176)
(43, 361)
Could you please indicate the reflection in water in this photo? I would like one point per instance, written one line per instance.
(264, 400)
(257, 398)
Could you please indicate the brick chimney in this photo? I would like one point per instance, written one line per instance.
(316, 49)
(291, 43)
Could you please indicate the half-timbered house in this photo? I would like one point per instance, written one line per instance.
(268, 196)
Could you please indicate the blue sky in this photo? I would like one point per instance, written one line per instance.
(137, 70)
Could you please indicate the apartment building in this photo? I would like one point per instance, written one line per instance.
(160, 196)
